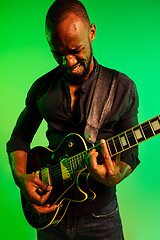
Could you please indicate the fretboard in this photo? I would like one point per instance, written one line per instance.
(118, 143)
(133, 136)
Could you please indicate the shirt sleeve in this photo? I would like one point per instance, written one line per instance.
(129, 120)
(27, 124)
(130, 156)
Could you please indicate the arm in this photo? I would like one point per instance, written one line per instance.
(19, 145)
(29, 183)
(113, 171)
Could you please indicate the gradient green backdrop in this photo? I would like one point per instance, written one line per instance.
(128, 39)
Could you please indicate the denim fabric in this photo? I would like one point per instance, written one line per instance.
(104, 224)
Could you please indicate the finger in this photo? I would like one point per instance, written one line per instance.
(107, 159)
(105, 152)
(92, 151)
(44, 209)
(44, 198)
(42, 185)
(93, 159)
(38, 199)
(118, 159)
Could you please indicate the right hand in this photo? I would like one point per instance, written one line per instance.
(37, 193)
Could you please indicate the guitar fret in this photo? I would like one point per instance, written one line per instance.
(156, 124)
(151, 127)
(111, 145)
(79, 160)
(114, 145)
(83, 164)
(124, 140)
(86, 157)
(109, 148)
(138, 134)
(118, 143)
(131, 137)
(75, 161)
(127, 139)
(134, 136)
(73, 164)
(148, 130)
(71, 167)
(142, 131)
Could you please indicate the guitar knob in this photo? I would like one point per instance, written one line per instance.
(70, 144)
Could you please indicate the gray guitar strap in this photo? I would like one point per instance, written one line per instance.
(100, 101)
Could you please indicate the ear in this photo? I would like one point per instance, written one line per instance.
(92, 32)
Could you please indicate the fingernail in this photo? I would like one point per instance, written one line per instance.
(49, 188)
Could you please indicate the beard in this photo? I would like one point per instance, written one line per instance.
(79, 79)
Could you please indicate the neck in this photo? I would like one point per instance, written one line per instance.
(90, 70)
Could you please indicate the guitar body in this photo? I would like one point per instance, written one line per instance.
(63, 169)
(50, 168)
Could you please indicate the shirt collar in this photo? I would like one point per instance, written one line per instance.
(87, 84)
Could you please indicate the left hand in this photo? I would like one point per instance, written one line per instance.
(108, 172)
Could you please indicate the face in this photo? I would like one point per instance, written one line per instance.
(71, 47)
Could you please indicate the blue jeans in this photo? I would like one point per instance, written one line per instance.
(104, 224)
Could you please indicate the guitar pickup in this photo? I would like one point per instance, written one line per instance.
(44, 176)
(65, 172)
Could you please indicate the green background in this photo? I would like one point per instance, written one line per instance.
(128, 39)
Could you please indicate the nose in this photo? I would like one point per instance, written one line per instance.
(69, 60)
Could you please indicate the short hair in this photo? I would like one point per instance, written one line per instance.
(61, 8)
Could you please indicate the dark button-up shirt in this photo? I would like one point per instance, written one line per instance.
(49, 98)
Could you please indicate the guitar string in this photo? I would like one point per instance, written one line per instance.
(62, 171)
(76, 157)
(71, 171)
(111, 144)
(67, 161)
(57, 166)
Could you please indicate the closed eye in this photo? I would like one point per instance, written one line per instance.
(76, 51)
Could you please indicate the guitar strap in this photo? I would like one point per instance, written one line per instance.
(100, 101)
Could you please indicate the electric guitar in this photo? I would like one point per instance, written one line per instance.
(63, 167)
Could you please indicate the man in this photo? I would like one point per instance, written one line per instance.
(60, 97)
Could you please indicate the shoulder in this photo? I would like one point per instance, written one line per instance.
(42, 84)
(127, 87)
(124, 82)
(46, 78)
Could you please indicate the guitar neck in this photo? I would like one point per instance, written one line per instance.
(118, 143)
(133, 136)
